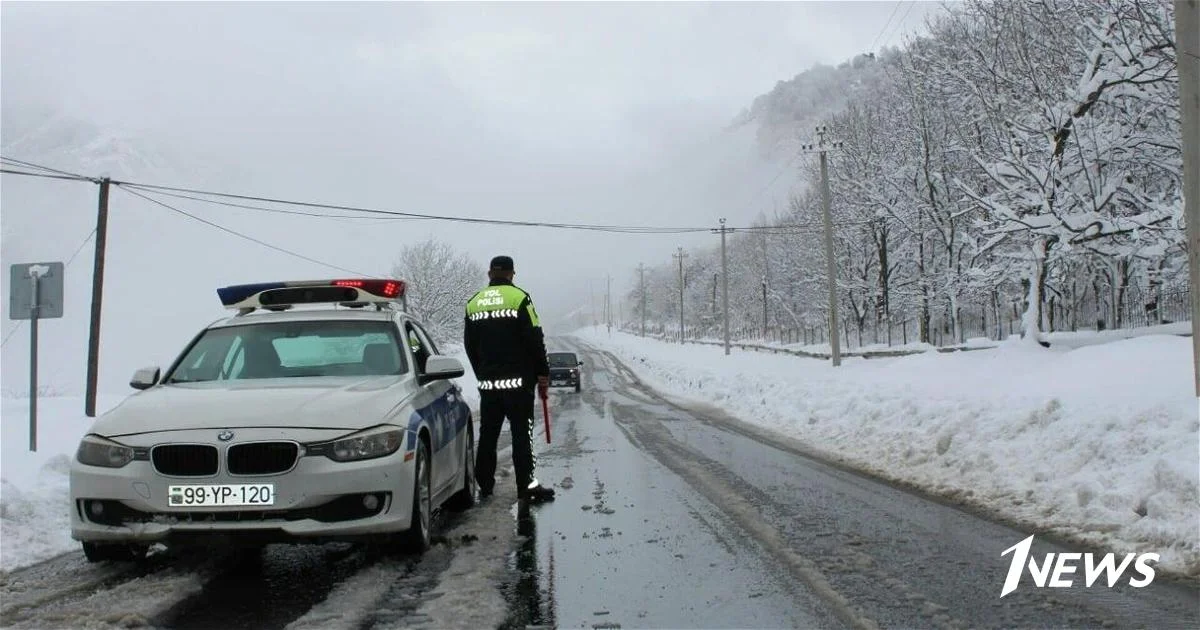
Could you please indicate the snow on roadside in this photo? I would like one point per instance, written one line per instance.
(35, 521)
(1101, 442)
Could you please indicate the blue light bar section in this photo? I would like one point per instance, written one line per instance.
(238, 292)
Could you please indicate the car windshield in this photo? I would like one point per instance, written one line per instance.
(292, 349)
(562, 359)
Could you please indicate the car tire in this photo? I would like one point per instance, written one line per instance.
(416, 539)
(114, 552)
(465, 499)
(578, 387)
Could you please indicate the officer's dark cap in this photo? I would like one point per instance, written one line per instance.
(502, 263)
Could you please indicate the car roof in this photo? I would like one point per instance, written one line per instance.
(306, 315)
(570, 354)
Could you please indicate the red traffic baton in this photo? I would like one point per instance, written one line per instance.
(546, 416)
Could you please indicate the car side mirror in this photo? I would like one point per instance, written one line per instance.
(439, 368)
(580, 364)
(145, 378)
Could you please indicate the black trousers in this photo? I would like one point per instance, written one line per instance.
(494, 406)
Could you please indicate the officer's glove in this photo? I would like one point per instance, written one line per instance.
(543, 387)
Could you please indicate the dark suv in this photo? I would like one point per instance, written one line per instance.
(564, 370)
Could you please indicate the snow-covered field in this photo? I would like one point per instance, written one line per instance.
(34, 487)
(1100, 442)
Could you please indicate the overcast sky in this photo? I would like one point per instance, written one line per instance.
(578, 112)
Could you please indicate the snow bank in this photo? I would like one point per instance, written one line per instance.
(1101, 443)
(35, 519)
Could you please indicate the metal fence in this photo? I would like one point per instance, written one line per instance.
(1169, 305)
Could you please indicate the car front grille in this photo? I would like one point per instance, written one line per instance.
(185, 460)
(261, 458)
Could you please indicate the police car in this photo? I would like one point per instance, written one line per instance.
(320, 411)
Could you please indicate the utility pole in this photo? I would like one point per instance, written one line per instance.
(642, 294)
(724, 283)
(592, 292)
(608, 304)
(1187, 32)
(764, 296)
(766, 254)
(680, 256)
(822, 147)
(93, 364)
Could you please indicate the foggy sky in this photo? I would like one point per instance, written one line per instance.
(574, 112)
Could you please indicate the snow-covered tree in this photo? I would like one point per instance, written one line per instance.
(440, 281)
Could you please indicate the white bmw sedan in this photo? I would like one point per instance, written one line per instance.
(334, 422)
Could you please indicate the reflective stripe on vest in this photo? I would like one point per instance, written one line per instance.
(503, 383)
(507, 313)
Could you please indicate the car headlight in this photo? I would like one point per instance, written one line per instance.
(369, 444)
(97, 451)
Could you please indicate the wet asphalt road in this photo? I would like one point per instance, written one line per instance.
(671, 516)
(667, 516)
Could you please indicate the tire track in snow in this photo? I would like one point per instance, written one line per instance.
(455, 584)
(105, 598)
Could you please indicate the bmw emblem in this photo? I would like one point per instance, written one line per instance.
(225, 435)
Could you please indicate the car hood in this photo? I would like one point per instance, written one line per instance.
(333, 402)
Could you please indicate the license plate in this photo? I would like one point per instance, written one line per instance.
(221, 495)
(558, 382)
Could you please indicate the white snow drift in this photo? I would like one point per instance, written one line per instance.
(1101, 443)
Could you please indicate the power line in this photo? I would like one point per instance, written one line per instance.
(885, 25)
(900, 24)
(42, 167)
(418, 215)
(66, 265)
(223, 197)
(244, 236)
(231, 204)
(8, 171)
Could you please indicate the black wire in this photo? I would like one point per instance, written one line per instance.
(393, 213)
(886, 25)
(41, 167)
(177, 192)
(263, 208)
(244, 236)
(900, 24)
(153, 191)
(75, 178)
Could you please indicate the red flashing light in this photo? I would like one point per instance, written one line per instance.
(384, 288)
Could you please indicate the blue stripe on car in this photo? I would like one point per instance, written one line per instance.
(446, 407)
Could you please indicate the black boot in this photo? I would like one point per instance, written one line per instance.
(536, 494)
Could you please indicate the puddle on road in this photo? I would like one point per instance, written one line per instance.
(528, 590)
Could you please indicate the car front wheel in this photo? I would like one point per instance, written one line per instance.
(418, 536)
(464, 499)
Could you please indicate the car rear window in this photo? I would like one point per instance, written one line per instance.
(293, 349)
(562, 360)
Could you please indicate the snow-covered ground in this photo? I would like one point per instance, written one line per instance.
(35, 518)
(34, 486)
(1099, 442)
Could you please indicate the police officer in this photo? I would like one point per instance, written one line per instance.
(507, 351)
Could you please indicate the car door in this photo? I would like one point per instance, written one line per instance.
(439, 414)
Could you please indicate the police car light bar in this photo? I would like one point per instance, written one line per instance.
(282, 294)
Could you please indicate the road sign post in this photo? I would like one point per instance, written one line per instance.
(35, 292)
